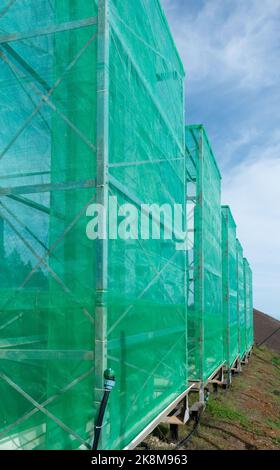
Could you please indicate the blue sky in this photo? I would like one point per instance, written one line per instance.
(231, 53)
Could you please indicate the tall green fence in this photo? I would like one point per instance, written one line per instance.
(251, 336)
(205, 319)
(230, 312)
(92, 111)
(241, 308)
(92, 106)
(249, 305)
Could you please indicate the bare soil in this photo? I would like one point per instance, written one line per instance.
(244, 417)
(267, 330)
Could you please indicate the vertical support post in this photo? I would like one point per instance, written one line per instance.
(226, 290)
(227, 299)
(238, 300)
(245, 304)
(102, 198)
(186, 284)
(199, 291)
(228, 306)
(251, 309)
(186, 256)
(238, 254)
(225, 243)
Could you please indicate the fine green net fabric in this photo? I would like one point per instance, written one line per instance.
(230, 312)
(49, 115)
(205, 320)
(64, 140)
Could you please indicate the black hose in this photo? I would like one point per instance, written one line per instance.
(190, 435)
(109, 383)
(196, 421)
(99, 422)
(145, 446)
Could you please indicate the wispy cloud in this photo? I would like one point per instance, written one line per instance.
(253, 192)
(231, 53)
(228, 40)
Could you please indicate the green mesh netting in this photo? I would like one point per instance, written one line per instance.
(205, 319)
(241, 301)
(251, 313)
(147, 316)
(248, 306)
(56, 56)
(92, 97)
(229, 287)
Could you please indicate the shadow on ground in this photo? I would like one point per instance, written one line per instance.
(244, 417)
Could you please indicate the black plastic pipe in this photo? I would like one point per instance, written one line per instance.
(109, 383)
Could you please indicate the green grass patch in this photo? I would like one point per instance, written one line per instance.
(276, 361)
(276, 441)
(273, 424)
(226, 412)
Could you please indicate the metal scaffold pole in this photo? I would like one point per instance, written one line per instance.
(102, 198)
(200, 262)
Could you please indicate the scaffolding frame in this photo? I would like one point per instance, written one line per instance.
(241, 303)
(248, 287)
(204, 265)
(104, 184)
(202, 276)
(230, 289)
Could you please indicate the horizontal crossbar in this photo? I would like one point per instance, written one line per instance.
(58, 28)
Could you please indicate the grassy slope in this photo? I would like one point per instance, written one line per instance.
(246, 416)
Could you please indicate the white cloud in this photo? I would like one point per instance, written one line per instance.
(231, 53)
(232, 145)
(253, 192)
(257, 148)
(228, 40)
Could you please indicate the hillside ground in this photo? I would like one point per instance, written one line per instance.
(244, 417)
